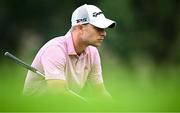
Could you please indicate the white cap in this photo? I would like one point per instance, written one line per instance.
(92, 15)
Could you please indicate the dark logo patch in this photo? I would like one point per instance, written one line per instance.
(81, 20)
(95, 14)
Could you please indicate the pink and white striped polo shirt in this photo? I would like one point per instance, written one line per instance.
(57, 59)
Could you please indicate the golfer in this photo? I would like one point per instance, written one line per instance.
(69, 61)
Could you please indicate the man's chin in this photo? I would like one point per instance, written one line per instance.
(96, 45)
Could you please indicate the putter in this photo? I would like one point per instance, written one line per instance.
(25, 65)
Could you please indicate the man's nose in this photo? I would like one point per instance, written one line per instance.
(103, 33)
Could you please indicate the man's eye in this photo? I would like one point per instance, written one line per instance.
(100, 29)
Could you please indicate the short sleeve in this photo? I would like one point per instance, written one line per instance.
(95, 76)
(53, 62)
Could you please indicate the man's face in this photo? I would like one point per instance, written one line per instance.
(92, 35)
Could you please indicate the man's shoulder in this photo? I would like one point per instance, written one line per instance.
(59, 40)
(56, 40)
(56, 45)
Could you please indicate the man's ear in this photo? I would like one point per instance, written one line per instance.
(79, 27)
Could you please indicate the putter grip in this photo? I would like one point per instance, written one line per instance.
(20, 62)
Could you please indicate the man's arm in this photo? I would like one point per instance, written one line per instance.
(56, 87)
(59, 87)
(95, 77)
(53, 62)
(100, 91)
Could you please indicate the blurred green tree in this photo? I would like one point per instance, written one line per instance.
(148, 27)
(46, 17)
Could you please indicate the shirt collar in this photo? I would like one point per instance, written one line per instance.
(70, 45)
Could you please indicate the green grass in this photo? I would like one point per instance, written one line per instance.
(139, 87)
(143, 86)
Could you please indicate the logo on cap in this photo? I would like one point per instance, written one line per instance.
(81, 20)
(95, 14)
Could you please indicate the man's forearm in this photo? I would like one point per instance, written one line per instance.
(59, 88)
(101, 92)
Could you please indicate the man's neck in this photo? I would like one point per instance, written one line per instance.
(79, 46)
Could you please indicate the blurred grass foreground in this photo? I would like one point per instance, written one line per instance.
(142, 86)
